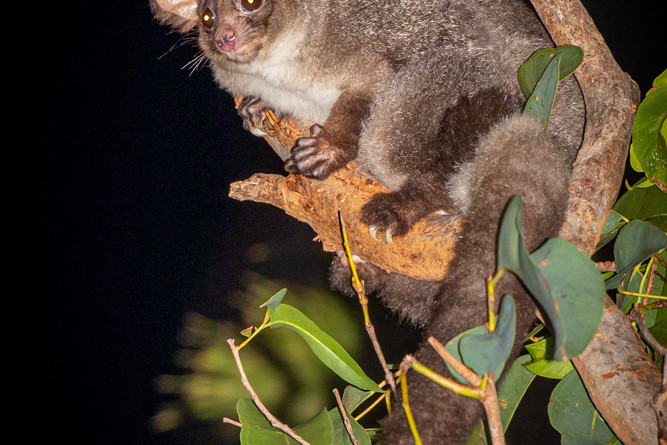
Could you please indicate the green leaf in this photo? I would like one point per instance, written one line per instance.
(648, 136)
(659, 330)
(531, 71)
(513, 388)
(645, 203)
(573, 415)
(565, 283)
(484, 351)
(340, 434)
(273, 302)
(328, 350)
(612, 225)
(256, 429)
(353, 397)
(540, 102)
(542, 363)
(635, 243)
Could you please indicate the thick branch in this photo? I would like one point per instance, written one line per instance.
(424, 253)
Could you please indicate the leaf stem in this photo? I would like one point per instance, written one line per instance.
(371, 406)
(641, 295)
(491, 296)
(403, 369)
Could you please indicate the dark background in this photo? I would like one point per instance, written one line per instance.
(131, 218)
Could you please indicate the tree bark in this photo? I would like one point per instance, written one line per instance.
(620, 378)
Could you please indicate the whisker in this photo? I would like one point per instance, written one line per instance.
(197, 62)
(189, 39)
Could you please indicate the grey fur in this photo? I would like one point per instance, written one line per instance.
(423, 96)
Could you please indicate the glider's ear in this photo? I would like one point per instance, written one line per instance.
(179, 14)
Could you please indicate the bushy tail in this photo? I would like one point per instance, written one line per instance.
(516, 157)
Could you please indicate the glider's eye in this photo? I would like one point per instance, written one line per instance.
(207, 18)
(251, 5)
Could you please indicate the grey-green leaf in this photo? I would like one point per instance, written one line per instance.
(488, 352)
(540, 103)
(576, 299)
(484, 351)
(566, 284)
(327, 349)
(573, 415)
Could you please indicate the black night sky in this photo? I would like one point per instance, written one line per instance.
(131, 218)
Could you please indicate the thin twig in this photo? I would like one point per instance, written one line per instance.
(459, 367)
(363, 301)
(231, 421)
(490, 402)
(258, 403)
(649, 307)
(636, 316)
(346, 421)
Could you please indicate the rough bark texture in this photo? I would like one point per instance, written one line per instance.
(619, 376)
(424, 253)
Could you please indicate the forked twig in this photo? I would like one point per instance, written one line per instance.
(483, 389)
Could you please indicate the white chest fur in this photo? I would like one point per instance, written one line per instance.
(281, 78)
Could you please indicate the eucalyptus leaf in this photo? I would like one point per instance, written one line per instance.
(353, 397)
(542, 362)
(612, 225)
(257, 430)
(328, 350)
(483, 351)
(513, 388)
(540, 103)
(573, 415)
(273, 302)
(340, 434)
(648, 136)
(488, 352)
(644, 203)
(531, 71)
(510, 393)
(576, 300)
(565, 283)
(635, 243)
